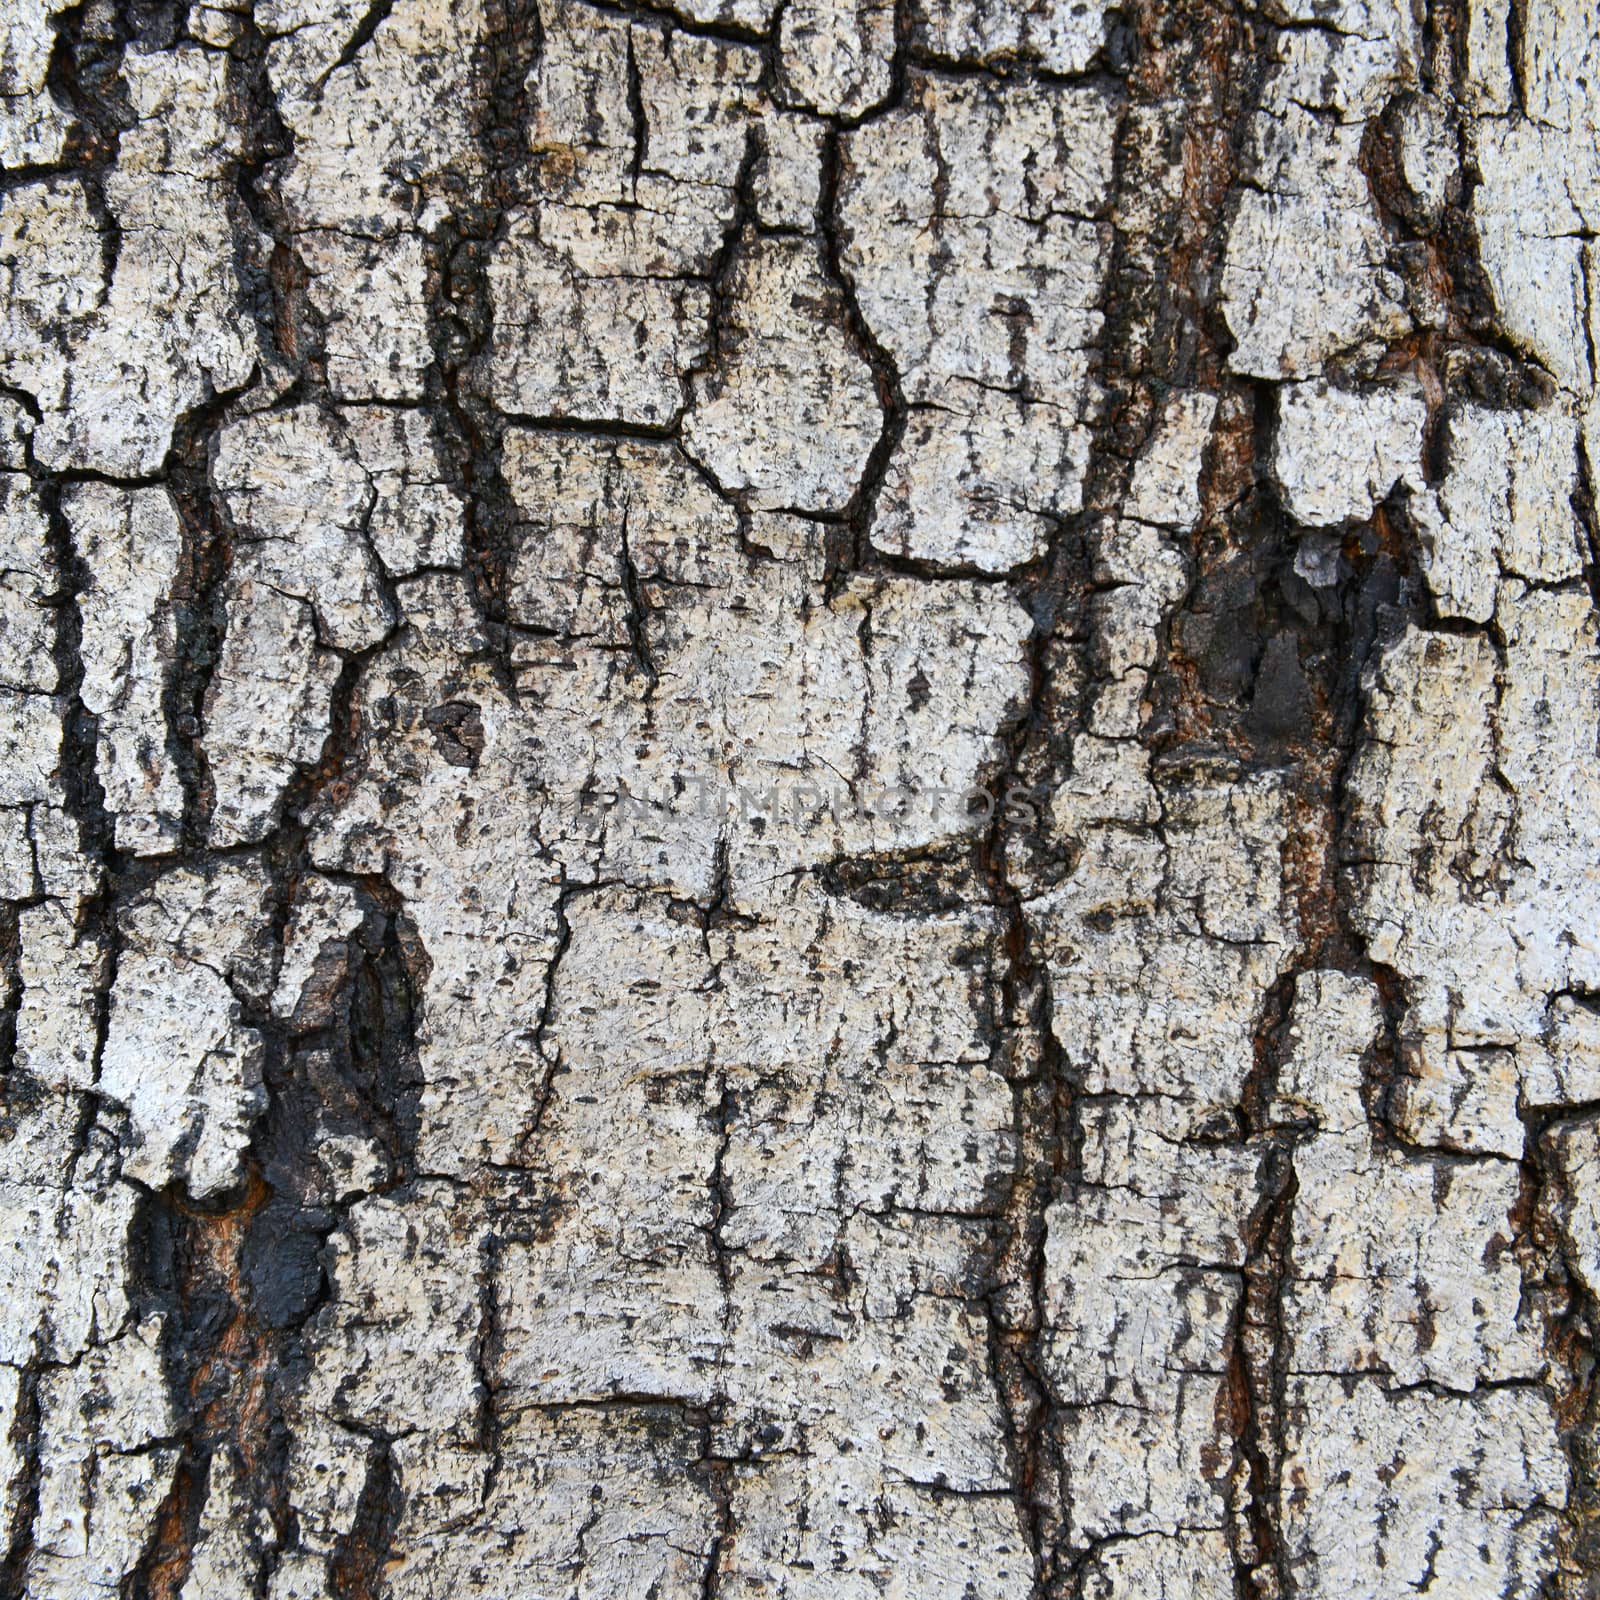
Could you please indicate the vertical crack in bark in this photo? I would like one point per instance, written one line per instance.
(717, 1472)
(214, 1356)
(26, 1441)
(242, 1280)
(1557, 1287)
(1159, 332)
(356, 1567)
(468, 428)
(486, 1354)
(1256, 1350)
(278, 305)
(638, 617)
(849, 545)
(198, 614)
(84, 79)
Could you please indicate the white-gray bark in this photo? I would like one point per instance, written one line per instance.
(799, 798)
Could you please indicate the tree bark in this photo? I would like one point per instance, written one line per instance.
(800, 799)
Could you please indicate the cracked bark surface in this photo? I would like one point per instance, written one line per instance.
(799, 799)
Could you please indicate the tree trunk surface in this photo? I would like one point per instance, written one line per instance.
(799, 800)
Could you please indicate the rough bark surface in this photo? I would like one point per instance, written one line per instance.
(799, 798)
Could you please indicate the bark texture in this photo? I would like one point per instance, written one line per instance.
(799, 798)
